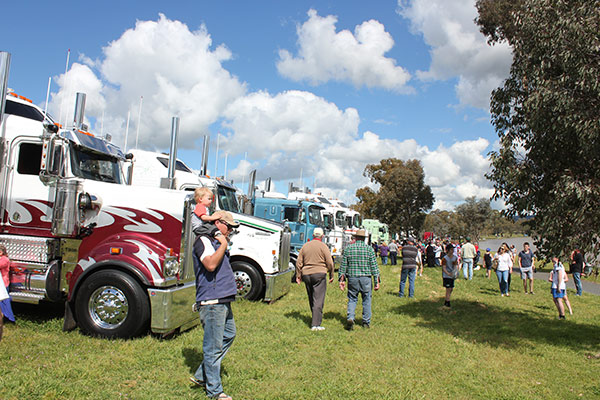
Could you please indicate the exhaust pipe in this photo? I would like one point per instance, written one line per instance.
(169, 182)
(204, 167)
(79, 111)
(268, 184)
(251, 183)
(4, 68)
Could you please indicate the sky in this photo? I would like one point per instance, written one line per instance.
(308, 92)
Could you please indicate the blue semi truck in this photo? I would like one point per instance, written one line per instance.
(302, 217)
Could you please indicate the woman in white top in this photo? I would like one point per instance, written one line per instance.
(559, 279)
(505, 264)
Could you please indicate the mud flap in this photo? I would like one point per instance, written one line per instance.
(69, 322)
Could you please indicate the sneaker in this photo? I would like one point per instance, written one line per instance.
(350, 324)
(317, 328)
(366, 325)
(196, 381)
(447, 304)
(561, 317)
(531, 293)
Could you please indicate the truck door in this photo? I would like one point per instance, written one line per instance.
(29, 201)
(292, 215)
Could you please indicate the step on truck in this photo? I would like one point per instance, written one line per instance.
(260, 250)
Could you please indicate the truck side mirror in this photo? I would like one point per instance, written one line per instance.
(53, 159)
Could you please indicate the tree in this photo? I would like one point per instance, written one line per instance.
(473, 214)
(402, 198)
(547, 117)
(366, 202)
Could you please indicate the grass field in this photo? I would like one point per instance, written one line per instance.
(485, 347)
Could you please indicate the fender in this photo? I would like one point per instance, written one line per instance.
(250, 261)
(136, 252)
(107, 264)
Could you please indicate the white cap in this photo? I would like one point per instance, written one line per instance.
(318, 232)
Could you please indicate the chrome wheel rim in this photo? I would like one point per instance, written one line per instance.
(243, 283)
(108, 307)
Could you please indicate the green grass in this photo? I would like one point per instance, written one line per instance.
(485, 347)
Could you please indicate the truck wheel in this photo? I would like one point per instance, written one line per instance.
(293, 265)
(112, 304)
(248, 280)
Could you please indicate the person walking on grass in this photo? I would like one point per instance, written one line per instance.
(215, 291)
(468, 253)
(393, 252)
(449, 273)
(558, 277)
(504, 269)
(313, 264)
(383, 252)
(487, 262)
(409, 267)
(526, 260)
(577, 269)
(359, 270)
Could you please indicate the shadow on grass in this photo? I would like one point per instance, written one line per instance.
(499, 326)
(42, 312)
(307, 319)
(194, 357)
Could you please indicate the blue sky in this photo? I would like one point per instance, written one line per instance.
(319, 87)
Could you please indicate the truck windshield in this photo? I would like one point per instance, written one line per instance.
(357, 221)
(323, 200)
(179, 166)
(95, 166)
(227, 199)
(314, 215)
(339, 219)
(328, 221)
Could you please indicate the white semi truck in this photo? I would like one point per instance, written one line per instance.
(260, 272)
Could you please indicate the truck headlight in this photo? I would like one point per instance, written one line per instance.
(170, 266)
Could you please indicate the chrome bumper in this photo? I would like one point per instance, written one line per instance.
(171, 308)
(278, 284)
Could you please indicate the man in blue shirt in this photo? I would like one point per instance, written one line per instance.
(526, 260)
(215, 290)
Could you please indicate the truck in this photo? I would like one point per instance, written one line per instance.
(260, 250)
(377, 231)
(334, 219)
(302, 217)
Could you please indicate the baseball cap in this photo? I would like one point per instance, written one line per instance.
(226, 217)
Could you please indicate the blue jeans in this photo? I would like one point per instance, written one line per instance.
(384, 260)
(577, 281)
(219, 332)
(503, 280)
(467, 264)
(362, 285)
(410, 272)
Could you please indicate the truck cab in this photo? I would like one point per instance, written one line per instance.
(118, 257)
(302, 217)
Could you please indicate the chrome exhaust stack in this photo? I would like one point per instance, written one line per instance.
(79, 112)
(170, 182)
(205, 147)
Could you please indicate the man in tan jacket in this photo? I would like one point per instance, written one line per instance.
(313, 264)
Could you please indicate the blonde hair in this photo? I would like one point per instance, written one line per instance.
(200, 192)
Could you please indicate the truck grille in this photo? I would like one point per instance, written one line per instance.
(284, 250)
(30, 248)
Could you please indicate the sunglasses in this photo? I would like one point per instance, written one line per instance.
(226, 224)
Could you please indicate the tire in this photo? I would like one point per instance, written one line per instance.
(248, 280)
(112, 304)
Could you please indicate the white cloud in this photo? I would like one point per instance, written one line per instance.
(326, 55)
(458, 49)
(174, 69)
(298, 133)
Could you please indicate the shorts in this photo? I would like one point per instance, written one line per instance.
(448, 282)
(527, 273)
(558, 294)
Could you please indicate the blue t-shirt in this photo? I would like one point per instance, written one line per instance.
(526, 258)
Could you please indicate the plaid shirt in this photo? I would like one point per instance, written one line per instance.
(359, 260)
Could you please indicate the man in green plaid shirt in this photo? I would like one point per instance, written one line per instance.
(359, 265)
